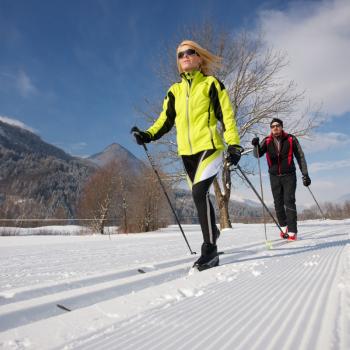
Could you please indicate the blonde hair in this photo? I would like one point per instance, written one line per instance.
(210, 62)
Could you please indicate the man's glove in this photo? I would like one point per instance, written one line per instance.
(306, 180)
(234, 154)
(141, 136)
(255, 141)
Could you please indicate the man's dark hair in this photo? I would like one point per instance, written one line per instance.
(276, 120)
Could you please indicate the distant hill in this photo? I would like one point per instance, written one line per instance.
(37, 178)
(116, 152)
(15, 140)
(40, 180)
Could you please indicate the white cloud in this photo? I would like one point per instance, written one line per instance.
(316, 37)
(16, 122)
(25, 85)
(329, 165)
(325, 141)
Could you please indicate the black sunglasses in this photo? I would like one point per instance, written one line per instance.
(188, 52)
(275, 126)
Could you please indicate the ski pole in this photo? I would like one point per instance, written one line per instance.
(268, 244)
(257, 194)
(324, 216)
(167, 197)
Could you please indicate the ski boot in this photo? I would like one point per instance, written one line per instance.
(292, 236)
(209, 257)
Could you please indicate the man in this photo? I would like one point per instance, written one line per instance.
(280, 148)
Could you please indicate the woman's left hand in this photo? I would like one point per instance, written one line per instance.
(234, 154)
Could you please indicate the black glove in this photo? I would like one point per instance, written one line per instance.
(141, 136)
(255, 141)
(234, 154)
(306, 180)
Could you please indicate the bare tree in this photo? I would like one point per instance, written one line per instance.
(134, 203)
(252, 74)
(150, 209)
(97, 197)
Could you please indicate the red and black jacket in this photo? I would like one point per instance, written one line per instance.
(279, 154)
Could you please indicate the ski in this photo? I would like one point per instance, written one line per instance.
(63, 307)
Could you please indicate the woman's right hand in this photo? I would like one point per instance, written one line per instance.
(141, 136)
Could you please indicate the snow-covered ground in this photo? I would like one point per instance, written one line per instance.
(135, 291)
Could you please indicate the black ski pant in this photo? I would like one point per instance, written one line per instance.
(283, 190)
(200, 194)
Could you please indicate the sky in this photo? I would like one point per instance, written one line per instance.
(77, 72)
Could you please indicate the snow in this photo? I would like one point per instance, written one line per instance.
(136, 291)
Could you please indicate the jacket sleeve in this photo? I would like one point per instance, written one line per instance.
(224, 112)
(166, 119)
(299, 155)
(262, 148)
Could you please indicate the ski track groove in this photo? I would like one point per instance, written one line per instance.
(124, 337)
(199, 310)
(228, 317)
(254, 324)
(247, 316)
(94, 280)
(87, 281)
(318, 301)
(151, 323)
(146, 331)
(16, 314)
(45, 309)
(194, 315)
(284, 328)
(174, 312)
(43, 266)
(246, 311)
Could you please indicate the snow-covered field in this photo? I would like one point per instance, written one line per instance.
(294, 296)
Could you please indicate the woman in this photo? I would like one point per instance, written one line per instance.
(195, 105)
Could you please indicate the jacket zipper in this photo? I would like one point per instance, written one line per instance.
(187, 112)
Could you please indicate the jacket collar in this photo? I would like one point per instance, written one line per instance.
(191, 75)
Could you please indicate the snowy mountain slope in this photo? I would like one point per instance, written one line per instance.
(256, 299)
(116, 152)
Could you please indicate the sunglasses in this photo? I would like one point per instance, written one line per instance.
(275, 126)
(188, 52)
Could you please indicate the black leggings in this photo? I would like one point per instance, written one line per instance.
(200, 193)
(283, 191)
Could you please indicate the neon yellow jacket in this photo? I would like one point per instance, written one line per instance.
(195, 105)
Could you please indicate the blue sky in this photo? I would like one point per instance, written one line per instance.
(75, 71)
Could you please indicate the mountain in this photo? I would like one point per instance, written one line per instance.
(116, 152)
(16, 140)
(37, 179)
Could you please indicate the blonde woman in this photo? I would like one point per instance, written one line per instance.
(195, 105)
